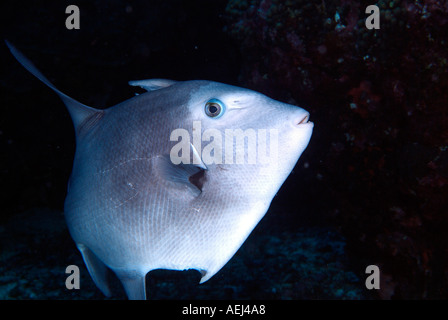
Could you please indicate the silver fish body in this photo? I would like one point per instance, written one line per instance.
(132, 209)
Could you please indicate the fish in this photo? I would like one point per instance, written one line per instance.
(176, 177)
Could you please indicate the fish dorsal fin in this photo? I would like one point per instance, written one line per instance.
(152, 84)
(79, 112)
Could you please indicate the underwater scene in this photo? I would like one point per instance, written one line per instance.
(120, 181)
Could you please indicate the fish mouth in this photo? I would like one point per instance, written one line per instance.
(303, 120)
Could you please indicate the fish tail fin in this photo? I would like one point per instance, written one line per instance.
(78, 111)
(134, 283)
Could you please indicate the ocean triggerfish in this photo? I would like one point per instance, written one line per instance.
(176, 177)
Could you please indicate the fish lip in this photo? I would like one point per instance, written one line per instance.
(303, 120)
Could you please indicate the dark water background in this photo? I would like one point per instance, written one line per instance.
(371, 188)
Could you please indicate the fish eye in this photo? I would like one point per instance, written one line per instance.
(214, 108)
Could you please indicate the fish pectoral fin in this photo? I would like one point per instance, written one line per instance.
(188, 175)
(152, 84)
(97, 269)
(134, 283)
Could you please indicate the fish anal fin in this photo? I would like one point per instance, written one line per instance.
(97, 269)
